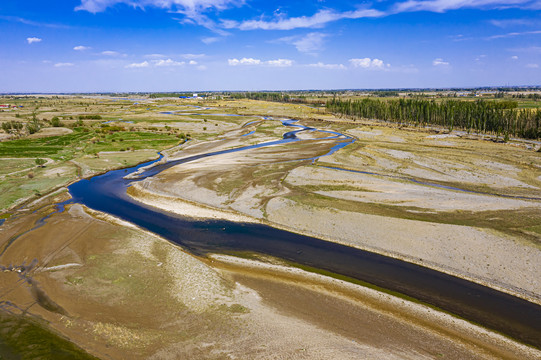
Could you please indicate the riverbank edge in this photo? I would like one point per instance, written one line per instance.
(171, 204)
(417, 314)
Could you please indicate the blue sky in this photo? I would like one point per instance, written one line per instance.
(174, 45)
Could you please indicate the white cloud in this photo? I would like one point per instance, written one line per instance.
(210, 39)
(168, 62)
(81, 48)
(530, 49)
(514, 34)
(311, 43)
(512, 22)
(160, 63)
(514, 57)
(181, 6)
(192, 56)
(317, 20)
(184, 56)
(155, 56)
(193, 10)
(439, 62)
(252, 62)
(279, 63)
(532, 66)
(192, 62)
(243, 61)
(33, 23)
(143, 64)
(32, 40)
(441, 6)
(328, 66)
(367, 63)
(66, 64)
(112, 53)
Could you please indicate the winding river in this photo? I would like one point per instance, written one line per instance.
(496, 310)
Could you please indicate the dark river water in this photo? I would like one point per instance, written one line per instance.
(504, 313)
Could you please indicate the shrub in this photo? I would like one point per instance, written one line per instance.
(55, 122)
(12, 126)
(89, 117)
(33, 126)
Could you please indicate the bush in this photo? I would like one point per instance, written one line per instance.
(89, 117)
(12, 126)
(105, 128)
(55, 122)
(33, 126)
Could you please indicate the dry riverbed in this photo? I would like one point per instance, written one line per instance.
(392, 192)
(118, 291)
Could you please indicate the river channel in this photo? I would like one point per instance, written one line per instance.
(493, 309)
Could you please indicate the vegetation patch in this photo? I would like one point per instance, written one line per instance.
(24, 338)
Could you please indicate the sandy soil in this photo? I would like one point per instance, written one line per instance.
(398, 192)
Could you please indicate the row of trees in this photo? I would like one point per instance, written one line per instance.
(496, 117)
(275, 96)
(265, 96)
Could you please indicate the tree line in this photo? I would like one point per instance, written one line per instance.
(481, 116)
(273, 96)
